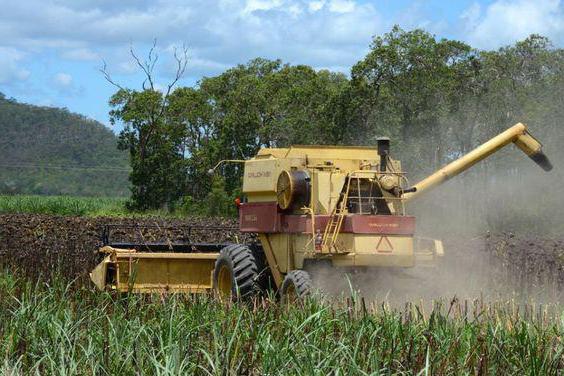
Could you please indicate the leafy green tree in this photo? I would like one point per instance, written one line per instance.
(261, 104)
(157, 162)
(405, 85)
(218, 202)
(155, 144)
(437, 98)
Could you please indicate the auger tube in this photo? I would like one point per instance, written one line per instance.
(517, 134)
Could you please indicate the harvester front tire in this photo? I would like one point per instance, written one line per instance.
(296, 286)
(236, 273)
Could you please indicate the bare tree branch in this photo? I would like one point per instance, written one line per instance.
(148, 65)
(108, 77)
(181, 63)
(152, 61)
(148, 68)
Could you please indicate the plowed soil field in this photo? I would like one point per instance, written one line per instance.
(42, 245)
(38, 246)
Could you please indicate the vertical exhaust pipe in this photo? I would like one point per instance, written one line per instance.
(383, 151)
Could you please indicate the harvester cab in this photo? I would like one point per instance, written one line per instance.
(344, 207)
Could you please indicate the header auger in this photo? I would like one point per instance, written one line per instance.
(341, 206)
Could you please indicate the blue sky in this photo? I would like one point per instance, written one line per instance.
(51, 50)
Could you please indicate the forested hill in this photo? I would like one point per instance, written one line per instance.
(45, 150)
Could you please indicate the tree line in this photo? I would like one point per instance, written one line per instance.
(435, 98)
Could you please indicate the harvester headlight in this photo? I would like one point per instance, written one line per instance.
(388, 182)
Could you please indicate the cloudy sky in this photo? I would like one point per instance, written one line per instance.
(51, 50)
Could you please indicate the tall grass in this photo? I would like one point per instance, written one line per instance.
(62, 205)
(92, 207)
(59, 330)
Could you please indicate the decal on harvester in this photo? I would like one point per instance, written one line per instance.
(258, 174)
(384, 225)
(384, 245)
(250, 218)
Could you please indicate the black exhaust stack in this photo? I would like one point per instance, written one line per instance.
(383, 151)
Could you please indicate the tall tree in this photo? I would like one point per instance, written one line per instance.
(263, 103)
(153, 142)
(407, 83)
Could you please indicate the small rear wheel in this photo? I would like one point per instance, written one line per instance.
(236, 273)
(296, 286)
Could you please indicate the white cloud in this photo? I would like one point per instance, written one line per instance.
(160, 87)
(295, 10)
(254, 5)
(224, 31)
(342, 6)
(65, 85)
(470, 16)
(11, 70)
(205, 67)
(63, 80)
(80, 54)
(127, 66)
(504, 22)
(41, 34)
(314, 6)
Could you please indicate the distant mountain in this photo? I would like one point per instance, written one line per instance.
(45, 150)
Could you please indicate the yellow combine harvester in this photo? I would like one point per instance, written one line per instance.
(342, 206)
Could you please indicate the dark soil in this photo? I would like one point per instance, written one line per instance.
(39, 246)
(42, 245)
(523, 265)
(528, 261)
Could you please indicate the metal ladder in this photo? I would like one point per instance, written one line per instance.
(333, 227)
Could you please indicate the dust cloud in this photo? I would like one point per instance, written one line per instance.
(502, 223)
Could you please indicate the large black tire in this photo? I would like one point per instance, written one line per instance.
(236, 273)
(296, 286)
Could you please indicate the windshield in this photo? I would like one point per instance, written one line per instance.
(365, 197)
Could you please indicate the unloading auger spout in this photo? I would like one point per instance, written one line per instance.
(517, 134)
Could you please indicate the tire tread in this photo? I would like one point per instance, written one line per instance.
(243, 266)
(301, 281)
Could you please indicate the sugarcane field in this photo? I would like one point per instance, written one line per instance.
(334, 187)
